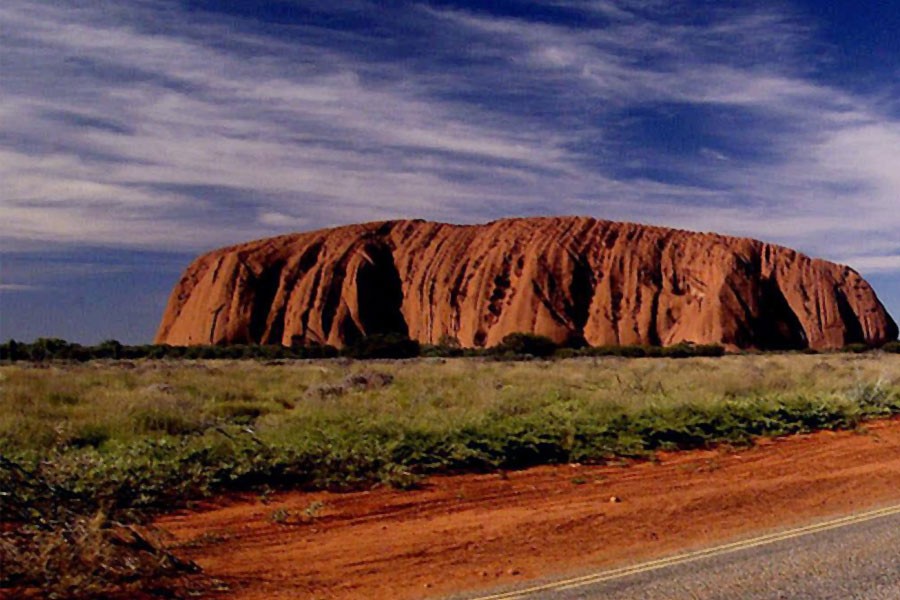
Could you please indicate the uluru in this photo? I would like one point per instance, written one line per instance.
(573, 279)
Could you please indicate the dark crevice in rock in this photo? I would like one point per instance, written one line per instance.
(853, 331)
(348, 331)
(777, 327)
(333, 297)
(653, 327)
(302, 266)
(456, 294)
(212, 325)
(744, 334)
(380, 293)
(547, 302)
(498, 295)
(581, 292)
(265, 286)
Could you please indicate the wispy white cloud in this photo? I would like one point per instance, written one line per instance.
(17, 287)
(875, 264)
(125, 126)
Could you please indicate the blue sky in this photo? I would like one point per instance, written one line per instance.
(135, 135)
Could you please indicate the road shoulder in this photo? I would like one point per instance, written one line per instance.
(476, 532)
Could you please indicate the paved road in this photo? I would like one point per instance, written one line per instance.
(857, 558)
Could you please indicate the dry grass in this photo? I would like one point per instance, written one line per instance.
(95, 403)
(88, 449)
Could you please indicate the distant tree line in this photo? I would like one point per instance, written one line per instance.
(516, 346)
(57, 349)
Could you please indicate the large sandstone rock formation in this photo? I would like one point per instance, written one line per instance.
(568, 277)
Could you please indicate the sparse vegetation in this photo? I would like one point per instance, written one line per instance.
(46, 349)
(50, 544)
(126, 439)
(521, 344)
(516, 346)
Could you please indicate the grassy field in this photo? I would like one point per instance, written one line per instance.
(125, 439)
(420, 416)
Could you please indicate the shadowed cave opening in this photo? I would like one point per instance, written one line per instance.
(380, 293)
(581, 292)
(853, 333)
(777, 326)
(266, 287)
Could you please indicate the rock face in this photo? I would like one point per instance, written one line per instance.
(568, 278)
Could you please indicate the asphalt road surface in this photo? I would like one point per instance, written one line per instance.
(856, 557)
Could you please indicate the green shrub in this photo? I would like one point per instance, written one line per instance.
(88, 557)
(171, 420)
(525, 344)
(856, 348)
(892, 347)
(389, 345)
(442, 351)
(90, 434)
(625, 351)
(241, 412)
(58, 398)
(515, 346)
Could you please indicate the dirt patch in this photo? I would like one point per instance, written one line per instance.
(472, 532)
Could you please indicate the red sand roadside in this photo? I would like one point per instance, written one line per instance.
(479, 531)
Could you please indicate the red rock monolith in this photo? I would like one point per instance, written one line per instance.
(568, 278)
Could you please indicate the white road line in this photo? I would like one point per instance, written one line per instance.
(771, 538)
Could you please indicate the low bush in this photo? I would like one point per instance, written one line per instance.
(525, 344)
(382, 346)
(347, 453)
(44, 349)
(441, 351)
(856, 348)
(90, 557)
(90, 434)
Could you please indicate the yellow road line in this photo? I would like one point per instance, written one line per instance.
(696, 555)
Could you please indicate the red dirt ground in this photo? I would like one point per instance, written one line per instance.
(479, 531)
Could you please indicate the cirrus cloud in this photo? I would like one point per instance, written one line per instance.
(154, 126)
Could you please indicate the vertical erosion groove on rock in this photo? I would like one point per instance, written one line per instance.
(576, 280)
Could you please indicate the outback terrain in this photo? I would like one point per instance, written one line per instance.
(477, 532)
(421, 477)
